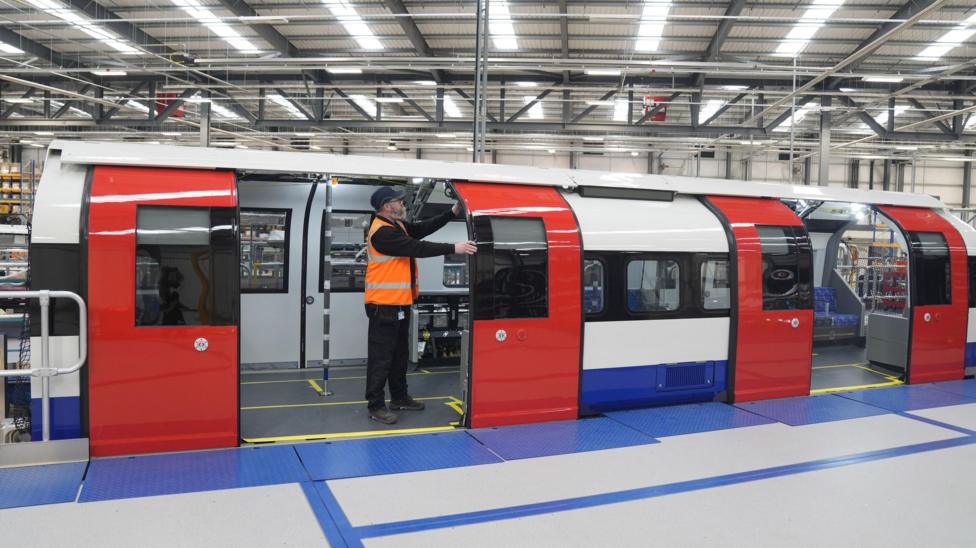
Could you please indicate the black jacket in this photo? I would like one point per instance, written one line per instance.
(390, 240)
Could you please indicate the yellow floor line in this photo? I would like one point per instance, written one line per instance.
(839, 365)
(339, 435)
(315, 385)
(329, 404)
(351, 378)
(895, 382)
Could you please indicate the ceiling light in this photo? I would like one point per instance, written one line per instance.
(7, 48)
(303, 134)
(469, 149)
(848, 90)
(652, 21)
(170, 133)
(735, 88)
(500, 25)
(287, 105)
(315, 147)
(797, 116)
(526, 84)
(603, 72)
(223, 143)
(389, 99)
(344, 70)
(949, 41)
(109, 72)
(198, 99)
(224, 112)
(535, 111)
(445, 135)
(552, 151)
(709, 109)
(593, 139)
(906, 148)
(451, 109)
(885, 79)
(353, 23)
(425, 82)
(635, 153)
(241, 146)
(810, 22)
(621, 109)
(364, 103)
(18, 100)
(43, 133)
(391, 147)
(882, 118)
(207, 18)
(84, 23)
(600, 103)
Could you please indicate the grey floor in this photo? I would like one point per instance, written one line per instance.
(288, 404)
(846, 366)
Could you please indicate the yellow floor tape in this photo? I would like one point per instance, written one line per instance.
(892, 381)
(340, 435)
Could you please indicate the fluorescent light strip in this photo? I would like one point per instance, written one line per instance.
(7, 48)
(353, 23)
(451, 109)
(76, 110)
(535, 111)
(224, 112)
(709, 109)
(286, 104)
(882, 118)
(621, 108)
(799, 115)
(949, 41)
(130, 103)
(364, 103)
(652, 22)
(812, 20)
(221, 29)
(500, 25)
(84, 24)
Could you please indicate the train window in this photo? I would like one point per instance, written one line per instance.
(348, 250)
(455, 270)
(653, 285)
(264, 250)
(972, 282)
(715, 284)
(186, 264)
(593, 286)
(931, 271)
(787, 267)
(512, 268)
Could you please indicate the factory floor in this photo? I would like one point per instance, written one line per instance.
(878, 467)
(289, 405)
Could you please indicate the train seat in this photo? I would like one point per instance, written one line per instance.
(825, 309)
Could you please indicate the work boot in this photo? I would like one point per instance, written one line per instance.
(383, 415)
(408, 404)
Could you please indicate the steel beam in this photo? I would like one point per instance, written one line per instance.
(17, 106)
(865, 117)
(267, 32)
(724, 108)
(787, 113)
(721, 33)
(529, 105)
(354, 105)
(301, 108)
(413, 33)
(413, 104)
(177, 103)
(823, 173)
(586, 112)
(37, 50)
(921, 109)
(135, 91)
(470, 101)
(657, 108)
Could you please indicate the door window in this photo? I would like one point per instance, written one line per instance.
(593, 286)
(787, 267)
(264, 250)
(715, 284)
(348, 251)
(512, 268)
(931, 271)
(186, 266)
(653, 285)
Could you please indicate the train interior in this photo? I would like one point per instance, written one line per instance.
(860, 297)
(289, 242)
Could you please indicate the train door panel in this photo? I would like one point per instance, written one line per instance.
(774, 310)
(313, 304)
(939, 293)
(163, 298)
(526, 301)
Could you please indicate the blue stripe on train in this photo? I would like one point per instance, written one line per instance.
(65, 418)
(648, 385)
(971, 354)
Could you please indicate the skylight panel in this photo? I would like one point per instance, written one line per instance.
(535, 112)
(364, 103)
(810, 22)
(882, 118)
(221, 29)
(84, 24)
(130, 103)
(709, 109)
(949, 41)
(621, 107)
(353, 23)
(7, 48)
(500, 25)
(75, 110)
(799, 115)
(652, 22)
(287, 105)
(224, 112)
(451, 109)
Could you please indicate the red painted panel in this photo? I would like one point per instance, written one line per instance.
(149, 389)
(938, 346)
(533, 375)
(772, 358)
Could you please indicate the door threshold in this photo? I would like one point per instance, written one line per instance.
(348, 435)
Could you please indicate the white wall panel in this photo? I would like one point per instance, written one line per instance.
(652, 342)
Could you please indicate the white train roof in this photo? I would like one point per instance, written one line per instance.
(131, 154)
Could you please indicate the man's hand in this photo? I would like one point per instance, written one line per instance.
(465, 248)
(456, 210)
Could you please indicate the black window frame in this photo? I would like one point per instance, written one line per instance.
(286, 270)
(323, 227)
(604, 281)
(971, 266)
(915, 269)
(804, 268)
(233, 306)
(482, 284)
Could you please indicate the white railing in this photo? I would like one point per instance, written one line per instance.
(45, 371)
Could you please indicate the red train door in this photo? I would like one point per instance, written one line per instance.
(526, 305)
(773, 314)
(939, 294)
(164, 299)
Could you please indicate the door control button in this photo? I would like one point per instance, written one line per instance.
(927, 317)
(501, 335)
(201, 344)
(795, 322)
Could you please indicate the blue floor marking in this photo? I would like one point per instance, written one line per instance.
(659, 422)
(392, 455)
(346, 529)
(811, 409)
(641, 493)
(127, 477)
(558, 438)
(964, 387)
(322, 514)
(938, 423)
(907, 398)
(35, 485)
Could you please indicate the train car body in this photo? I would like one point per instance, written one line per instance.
(590, 291)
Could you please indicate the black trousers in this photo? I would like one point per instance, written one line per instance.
(387, 353)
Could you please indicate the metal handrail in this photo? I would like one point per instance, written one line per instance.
(45, 372)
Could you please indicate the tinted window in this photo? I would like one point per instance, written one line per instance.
(653, 285)
(787, 267)
(186, 266)
(931, 272)
(348, 249)
(264, 250)
(513, 268)
(593, 286)
(715, 284)
(455, 270)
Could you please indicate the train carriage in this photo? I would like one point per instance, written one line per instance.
(212, 274)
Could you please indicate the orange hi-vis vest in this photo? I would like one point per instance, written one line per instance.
(388, 277)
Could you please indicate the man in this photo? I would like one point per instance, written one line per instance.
(393, 246)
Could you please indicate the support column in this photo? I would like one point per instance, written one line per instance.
(855, 173)
(900, 177)
(823, 175)
(807, 168)
(652, 162)
(967, 179)
(886, 176)
(572, 160)
(871, 175)
(747, 168)
(205, 120)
